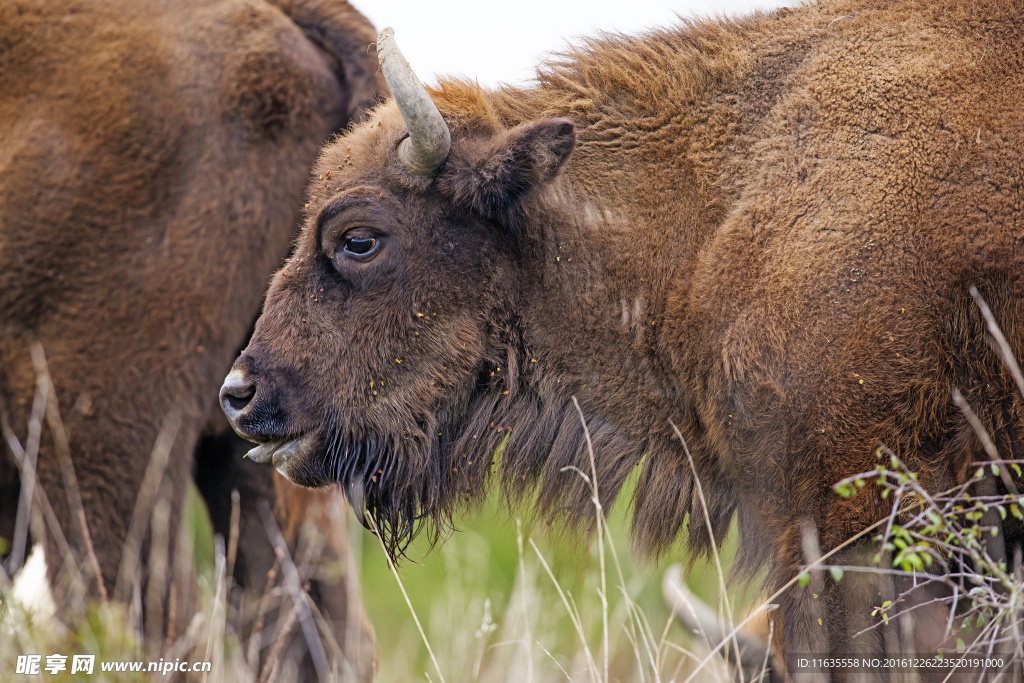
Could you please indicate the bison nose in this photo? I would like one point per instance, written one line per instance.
(236, 394)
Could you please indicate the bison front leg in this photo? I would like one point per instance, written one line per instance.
(825, 619)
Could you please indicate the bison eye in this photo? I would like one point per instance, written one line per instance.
(359, 246)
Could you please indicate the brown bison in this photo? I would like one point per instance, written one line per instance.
(762, 232)
(152, 160)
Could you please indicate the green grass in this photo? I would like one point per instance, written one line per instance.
(479, 606)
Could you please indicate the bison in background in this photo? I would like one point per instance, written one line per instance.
(152, 160)
(761, 231)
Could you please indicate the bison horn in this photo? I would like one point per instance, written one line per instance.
(428, 143)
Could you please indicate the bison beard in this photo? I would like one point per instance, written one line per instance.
(401, 484)
(371, 475)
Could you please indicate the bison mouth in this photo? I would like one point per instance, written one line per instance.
(281, 451)
(314, 459)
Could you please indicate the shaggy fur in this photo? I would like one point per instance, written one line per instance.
(761, 231)
(152, 159)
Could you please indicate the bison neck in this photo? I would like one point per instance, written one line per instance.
(665, 123)
(617, 239)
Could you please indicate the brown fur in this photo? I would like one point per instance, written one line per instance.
(152, 159)
(765, 235)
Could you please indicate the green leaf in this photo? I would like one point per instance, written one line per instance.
(960, 646)
(803, 579)
(980, 473)
(837, 574)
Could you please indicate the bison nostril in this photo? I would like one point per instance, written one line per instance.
(236, 393)
(241, 399)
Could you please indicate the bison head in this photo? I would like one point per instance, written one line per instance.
(384, 344)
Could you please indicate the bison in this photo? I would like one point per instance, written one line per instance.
(759, 232)
(152, 160)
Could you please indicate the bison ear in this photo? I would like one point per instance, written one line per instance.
(341, 34)
(515, 164)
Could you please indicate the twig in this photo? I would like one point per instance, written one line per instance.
(67, 467)
(299, 597)
(573, 616)
(144, 504)
(727, 608)
(1000, 343)
(769, 602)
(256, 635)
(25, 461)
(27, 458)
(233, 532)
(526, 614)
(599, 515)
(284, 634)
(986, 440)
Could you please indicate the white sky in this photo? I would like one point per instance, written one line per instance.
(502, 41)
